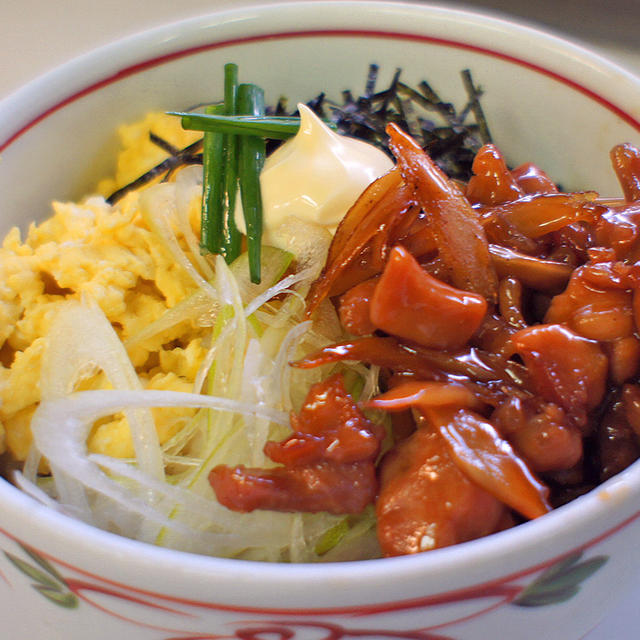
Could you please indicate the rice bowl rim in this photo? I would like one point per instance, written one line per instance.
(560, 58)
(131, 55)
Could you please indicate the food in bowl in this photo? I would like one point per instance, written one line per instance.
(515, 396)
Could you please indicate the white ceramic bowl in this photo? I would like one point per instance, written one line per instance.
(547, 101)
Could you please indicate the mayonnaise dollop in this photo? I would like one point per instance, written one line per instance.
(315, 176)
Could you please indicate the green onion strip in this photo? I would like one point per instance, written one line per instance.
(219, 233)
(212, 188)
(231, 237)
(234, 151)
(272, 127)
(250, 162)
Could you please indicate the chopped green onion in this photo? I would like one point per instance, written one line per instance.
(272, 127)
(212, 188)
(219, 233)
(231, 237)
(331, 537)
(251, 160)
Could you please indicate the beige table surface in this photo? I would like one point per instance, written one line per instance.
(37, 35)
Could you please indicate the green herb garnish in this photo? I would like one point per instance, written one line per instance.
(212, 188)
(231, 237)
(272, 127)
(250, 162)
(219, 233)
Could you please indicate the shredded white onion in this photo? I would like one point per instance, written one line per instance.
(243, 392)
(158, 206)
(188, 185)
(33, 490)
(81, 338)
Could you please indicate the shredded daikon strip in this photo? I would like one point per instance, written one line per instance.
(32, 489)
(60, 428)
(158, 209)
(81, 337)
(198, 308)
(188, 186)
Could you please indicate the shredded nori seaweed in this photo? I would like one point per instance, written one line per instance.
(450, 137)
(447, 135)
(177, 158)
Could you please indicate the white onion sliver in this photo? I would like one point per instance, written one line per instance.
(81, 336)
(195, 307)
(60, 427)
(281, 375)
(158, 207)
(188, 185)
(32, 489)
(186, 499)
(275, 290)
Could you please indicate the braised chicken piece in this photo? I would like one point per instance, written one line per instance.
(617, 442)
(410, 303)
(564, 368)
(426, 502)
(541, 433)
(492, 182)
(327, 463)
(626, 163)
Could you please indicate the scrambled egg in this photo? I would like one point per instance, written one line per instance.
(109, 255)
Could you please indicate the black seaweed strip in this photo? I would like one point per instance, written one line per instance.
(465, 111)
(446, 109)
(424, 102)
(391, 92)
(317, 105)
(414, 122)
(439, 145)
(186, 161)
(474, 94)
(165, 145)
(281, 107)
(170, 164)
(403, 121)
(372, 78)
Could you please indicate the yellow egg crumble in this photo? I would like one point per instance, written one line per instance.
(107, 254)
